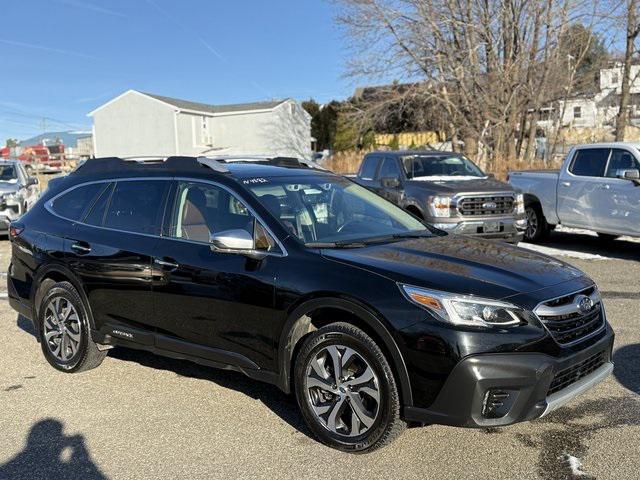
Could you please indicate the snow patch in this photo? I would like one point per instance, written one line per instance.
(556, 252)
(575, 464)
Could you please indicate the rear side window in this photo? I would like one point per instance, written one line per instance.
(369, 167)
(75, 203)
(96, 215)
(137, 206)
(590, 162)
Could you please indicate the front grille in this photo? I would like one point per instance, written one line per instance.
(488, 205)
(572, 374)
(566, 322)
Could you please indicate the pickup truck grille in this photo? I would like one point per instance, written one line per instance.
(572, 374)
(572, 318)
(486, 205)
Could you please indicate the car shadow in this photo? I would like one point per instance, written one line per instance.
(49, 453)
(627, 367)
(281, 404)
(585, 243)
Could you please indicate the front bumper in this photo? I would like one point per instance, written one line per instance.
(507, 228)
(527, 379)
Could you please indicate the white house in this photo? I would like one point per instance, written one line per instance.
(139, 124)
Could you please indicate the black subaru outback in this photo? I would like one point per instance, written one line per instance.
(306, 280)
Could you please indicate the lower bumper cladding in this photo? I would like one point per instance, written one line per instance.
(492, 390)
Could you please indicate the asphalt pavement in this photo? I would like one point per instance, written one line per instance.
(142, 416)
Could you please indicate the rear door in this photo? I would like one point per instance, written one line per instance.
(111, 251)
(580, 186)
(368, 172)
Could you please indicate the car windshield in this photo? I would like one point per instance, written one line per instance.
(445, 166)
(331, 211)
(7, 173)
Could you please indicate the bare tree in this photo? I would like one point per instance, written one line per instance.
(486, 65)
(632, 32)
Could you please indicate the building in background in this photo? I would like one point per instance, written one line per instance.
(139, 124)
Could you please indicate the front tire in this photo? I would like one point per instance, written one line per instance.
(64, 330)
(346, 390)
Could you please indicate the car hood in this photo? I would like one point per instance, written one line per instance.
(449, 185)
(462, 265)
(8, 187)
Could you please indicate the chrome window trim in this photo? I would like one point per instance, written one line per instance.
(49, 207)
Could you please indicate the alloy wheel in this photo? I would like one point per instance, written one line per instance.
(62, 328)
(532, 223)
(343, 390)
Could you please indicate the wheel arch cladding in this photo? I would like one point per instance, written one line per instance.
(319, 312)
(53, 274)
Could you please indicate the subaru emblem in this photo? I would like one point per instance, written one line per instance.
(584, 304)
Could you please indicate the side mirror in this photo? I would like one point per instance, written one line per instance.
(629, 174)
(233, 240)
(390, 182)
(32, 181)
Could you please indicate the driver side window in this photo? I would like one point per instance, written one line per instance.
(201, 210)
(621, 160)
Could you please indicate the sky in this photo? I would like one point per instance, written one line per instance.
(63, 58)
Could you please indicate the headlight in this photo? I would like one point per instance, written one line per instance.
(440, 206)
(463, 309)
(519, 203)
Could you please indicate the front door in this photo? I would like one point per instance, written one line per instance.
(214, 304)
(620, 198)
(111, 251)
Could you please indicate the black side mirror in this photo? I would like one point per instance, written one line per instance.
(390, 182)
(32, 181)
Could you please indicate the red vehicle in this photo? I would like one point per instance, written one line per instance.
(37, 157)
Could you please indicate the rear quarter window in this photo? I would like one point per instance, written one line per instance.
(75, 203)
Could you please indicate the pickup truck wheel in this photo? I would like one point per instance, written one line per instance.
(537, 227)
(346, 390)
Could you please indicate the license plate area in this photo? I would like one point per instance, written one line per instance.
(492, 227)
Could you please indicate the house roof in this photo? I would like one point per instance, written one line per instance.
(205, 107)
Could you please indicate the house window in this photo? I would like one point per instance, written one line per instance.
(614, 80)
(577, 112)
(205, 137)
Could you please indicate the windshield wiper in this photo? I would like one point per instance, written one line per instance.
(335, 244)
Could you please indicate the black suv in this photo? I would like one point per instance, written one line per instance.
(308, 281)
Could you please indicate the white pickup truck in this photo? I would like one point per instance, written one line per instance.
(597, 188)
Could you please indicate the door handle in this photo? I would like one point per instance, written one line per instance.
(565, 184)
(80, 248)
(165, 263)
(604, 186)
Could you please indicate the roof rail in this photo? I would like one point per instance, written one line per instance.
(118, 164)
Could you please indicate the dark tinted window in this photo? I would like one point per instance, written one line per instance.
(369, 167)
(389, 168)
(621, 160)
(74, 204)
(590, 162)
(137, 206)
(96, 215)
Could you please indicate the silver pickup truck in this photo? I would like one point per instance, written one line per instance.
(597, 188)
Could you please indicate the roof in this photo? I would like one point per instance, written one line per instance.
(69, 138)
(414, 152)
(205, 107)
(188, 105)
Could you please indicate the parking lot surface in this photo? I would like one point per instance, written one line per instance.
(142, 416)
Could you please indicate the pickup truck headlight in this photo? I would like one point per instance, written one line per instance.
(464, 309)
(440, 206)
(519, 203)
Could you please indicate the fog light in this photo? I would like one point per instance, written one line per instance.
(496, 403)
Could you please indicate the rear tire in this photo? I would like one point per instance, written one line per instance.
(64, 330)
(537, 226)
(355, 410)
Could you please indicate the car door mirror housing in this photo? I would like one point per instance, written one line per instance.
(32, 181)
(237, 239)
(632, 174)
(390, 182)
